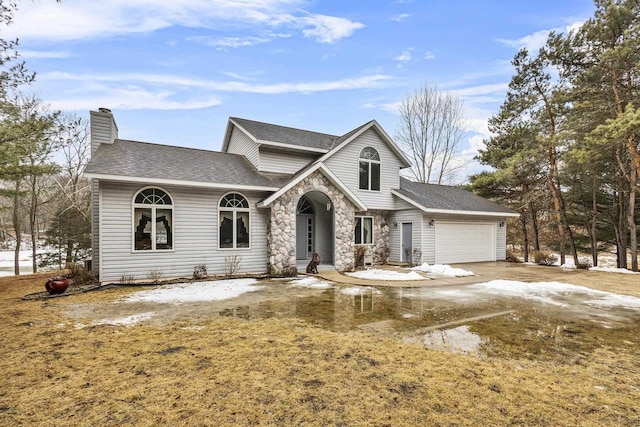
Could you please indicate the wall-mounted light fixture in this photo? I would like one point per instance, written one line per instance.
(328, 206)
(432, 222)
(395, 224)
(501, 224)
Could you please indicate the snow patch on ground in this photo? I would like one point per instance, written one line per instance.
(121, 321)
(378, 274)
(311, 282)
(443, 270)
(546, 291)
(195, 292)
(613, 270)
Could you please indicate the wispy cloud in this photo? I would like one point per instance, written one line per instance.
(248, 77)
(234, 42)
(85, 19)
(44, 54)
(405, 56)
(482, 89)
(429, 55)
(399, 18)
(329, 29)
(133, 98)
(166, 92)
(535, 41)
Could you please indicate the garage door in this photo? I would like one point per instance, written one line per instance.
(465, 242)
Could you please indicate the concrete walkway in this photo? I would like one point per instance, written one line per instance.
(484, 272)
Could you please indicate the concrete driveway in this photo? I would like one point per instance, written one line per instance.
(628, 284)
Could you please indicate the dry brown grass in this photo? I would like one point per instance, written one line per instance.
(226, 371)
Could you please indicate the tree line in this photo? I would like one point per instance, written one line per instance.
(565, 151)
(42, 155)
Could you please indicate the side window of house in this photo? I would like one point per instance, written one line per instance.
(233, 220)
(364, 230)
(152, 220)
(369, 169)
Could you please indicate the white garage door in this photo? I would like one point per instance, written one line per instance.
(465, 242)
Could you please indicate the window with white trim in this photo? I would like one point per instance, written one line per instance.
(152, 220)
(369, 169)
(364, 230)
(233, 221)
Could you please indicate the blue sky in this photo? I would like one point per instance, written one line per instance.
(173, 71)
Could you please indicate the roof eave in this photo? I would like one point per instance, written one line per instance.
(178, 182)
(291, 146)
(453, 211)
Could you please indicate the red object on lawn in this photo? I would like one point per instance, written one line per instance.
(56, 285)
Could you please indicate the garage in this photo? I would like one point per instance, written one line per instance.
(464, 242)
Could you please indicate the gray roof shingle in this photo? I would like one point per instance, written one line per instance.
(341, 139)
(286, 135)
(433, 196)
(155, 161)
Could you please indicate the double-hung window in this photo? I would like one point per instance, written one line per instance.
(152, 220)
(369, 169)
(364, 230)
(233, 214)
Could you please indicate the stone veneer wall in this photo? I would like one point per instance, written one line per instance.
(282, 225)
(380, 248)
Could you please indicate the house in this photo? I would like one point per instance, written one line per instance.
(271, 197)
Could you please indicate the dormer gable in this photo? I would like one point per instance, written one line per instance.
(275, 148)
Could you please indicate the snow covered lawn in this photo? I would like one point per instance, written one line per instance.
(6, 262)
(613, 270)
(195, 292)
(547, 292)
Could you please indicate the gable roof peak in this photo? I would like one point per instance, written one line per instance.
(345, 139)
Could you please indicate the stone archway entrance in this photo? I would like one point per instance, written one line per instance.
(315, 227)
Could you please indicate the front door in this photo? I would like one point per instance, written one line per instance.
(304, 236)
(406, 249)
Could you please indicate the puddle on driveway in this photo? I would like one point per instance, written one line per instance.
(544, 323)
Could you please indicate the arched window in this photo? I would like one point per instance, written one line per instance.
(369, 169)
(152, 220)
(305, 206)
(233, 220)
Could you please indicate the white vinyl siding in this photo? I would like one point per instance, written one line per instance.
(411, 215)
(345, 165)
(95, 225)
(501, 241)
(240, 143)
(428, 240)
(195, 238)
(473, 234)
(280, 162)
(103, 129)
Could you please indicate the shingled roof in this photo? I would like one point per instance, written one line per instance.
(164, 162)
(445, 198)
(266, 132)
